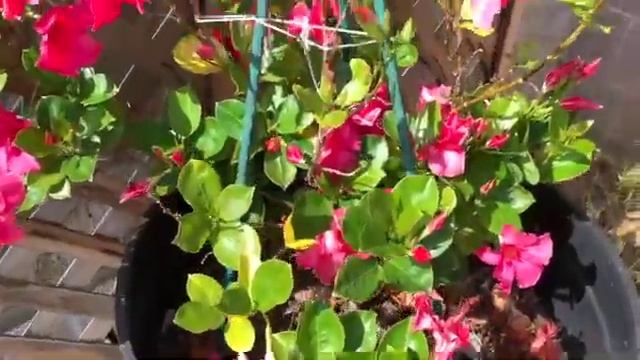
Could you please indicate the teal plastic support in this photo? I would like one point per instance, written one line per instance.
(250, 104)
(408, 156)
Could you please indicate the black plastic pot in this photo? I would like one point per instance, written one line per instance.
(586, 288)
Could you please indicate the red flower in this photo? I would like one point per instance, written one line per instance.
(136, 190)
(66, 45)
(498, 141)
(294, 154)
(521, 257)
(544, 345)
(177, 157)
(446, 156)
(421, 255)
(437, 223)
(449, 335)
(329, 252)
(10, 232)
(12, 9)
(10, 125)
(480, 127)
(273, 144)
(574, 70)
(577, 103)
(488, 186)
(50, 138)
(107, 11)
(341, 147)
(12, 193)
(205, 51)
(308, 22)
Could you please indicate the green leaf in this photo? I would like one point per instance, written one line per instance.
(234, 201)
(212, 139)
(272, 284)
(448, 200)
(195, 229)
(283, 345)
(566, 166)
(239, 334)
(199, 185)
(52, 113)
(530, 170)
(96, 119)
(358, 87)
(231, 243)
(396, 339)
(369, 179)
(418, 345)
(204, 289)
(235, 300)
(358, 279)
(406, 55)
(439, 241)
(279, 170)
(320, 332)
(95, 88)
(366, 224)
(361, 329)
(38, 187)
(184, 111)
(31, 140)
(495, 217)
(61, 190)
(288, 116)
(198, 317)
(3, 79)
(407, 275)
(309, 98)
(408, 31)
(79, 168)
(417, 191)
(333, 119)
(312, 214)
(230, 113)
(558, 123)
(516, 197)
(504, 108)
(451, 267)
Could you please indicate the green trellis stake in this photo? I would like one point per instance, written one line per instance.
(408, 156)
(250, 104)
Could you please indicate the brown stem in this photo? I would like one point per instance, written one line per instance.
(570, 40)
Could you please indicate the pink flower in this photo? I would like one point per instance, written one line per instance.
(483, 13)
(107, 11)
(294, 154)
(421, 255)
(206, 51)
(446, 156)
(431, 93)
(10, 125)
(488, 186)
(12, 9)
(574, 70)
(307, 22)
(497, 141)
(437, 223)
(449, 335)
(577, 103)
(9, 230)
(272, 145)
(521, 256)
(177, 157)
(15, 161)
(66, 45)
(12, 193)
(329, 252)
(136, 190)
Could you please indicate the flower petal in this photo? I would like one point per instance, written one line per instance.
(488, 256)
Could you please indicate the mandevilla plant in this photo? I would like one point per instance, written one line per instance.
(315, 167)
